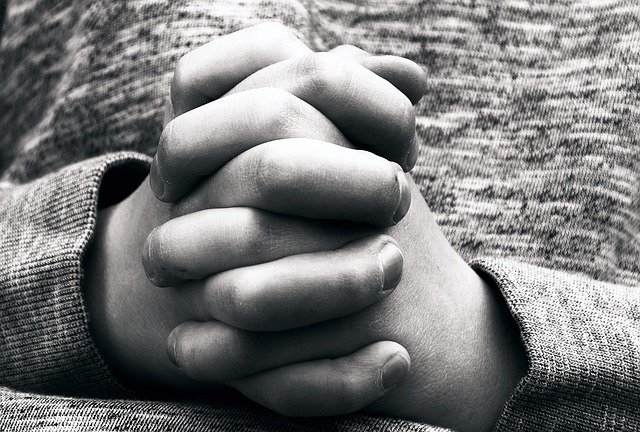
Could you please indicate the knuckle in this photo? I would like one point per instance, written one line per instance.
(256, 228)
(326, 73)
(285, 111)
(280, 112)
(251, 218)
(244, 303)
(268, 172)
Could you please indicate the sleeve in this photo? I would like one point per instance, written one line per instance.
(582, 339)
(28, 412)
(45, 227)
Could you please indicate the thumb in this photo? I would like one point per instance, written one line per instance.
(330, 386)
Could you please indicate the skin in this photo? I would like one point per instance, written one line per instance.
(465, 352)
(342, 342)
(122, 300)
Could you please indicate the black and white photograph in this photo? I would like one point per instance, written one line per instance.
(319, 215)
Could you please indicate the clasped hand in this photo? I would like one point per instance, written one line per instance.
(278, 246)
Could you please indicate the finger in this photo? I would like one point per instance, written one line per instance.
(351, 52)
(215, 352)
(199, 142)
(366, 108)
(200, 244)
(406, 75)
(330, 386)
(308, 178)
(299, 290)
(211, 70)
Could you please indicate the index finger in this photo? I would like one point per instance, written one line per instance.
(369, 110)
(209, 71)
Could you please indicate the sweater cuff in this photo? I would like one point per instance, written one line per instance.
(583, 346)
(45, 227)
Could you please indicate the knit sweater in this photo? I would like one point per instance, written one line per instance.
(529, 160)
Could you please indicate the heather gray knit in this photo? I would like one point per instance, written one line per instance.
(529, 158)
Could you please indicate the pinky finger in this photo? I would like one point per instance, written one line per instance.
(330, 386)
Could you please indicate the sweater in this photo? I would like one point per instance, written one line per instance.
(529, 160)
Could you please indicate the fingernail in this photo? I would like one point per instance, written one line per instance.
(412, 156)
(155, 179)
(425, 82)
(146, 260)
(394, 370)
(171, 348)
(405, 196)
(391, 261)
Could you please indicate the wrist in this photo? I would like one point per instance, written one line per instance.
(501, 360)
(467, 357)
(95, 285)
(109, 260)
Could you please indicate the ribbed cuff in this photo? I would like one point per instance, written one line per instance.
(582, 339)
(45, 227)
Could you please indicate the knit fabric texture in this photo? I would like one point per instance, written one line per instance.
(42, 319)
(529, 160)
